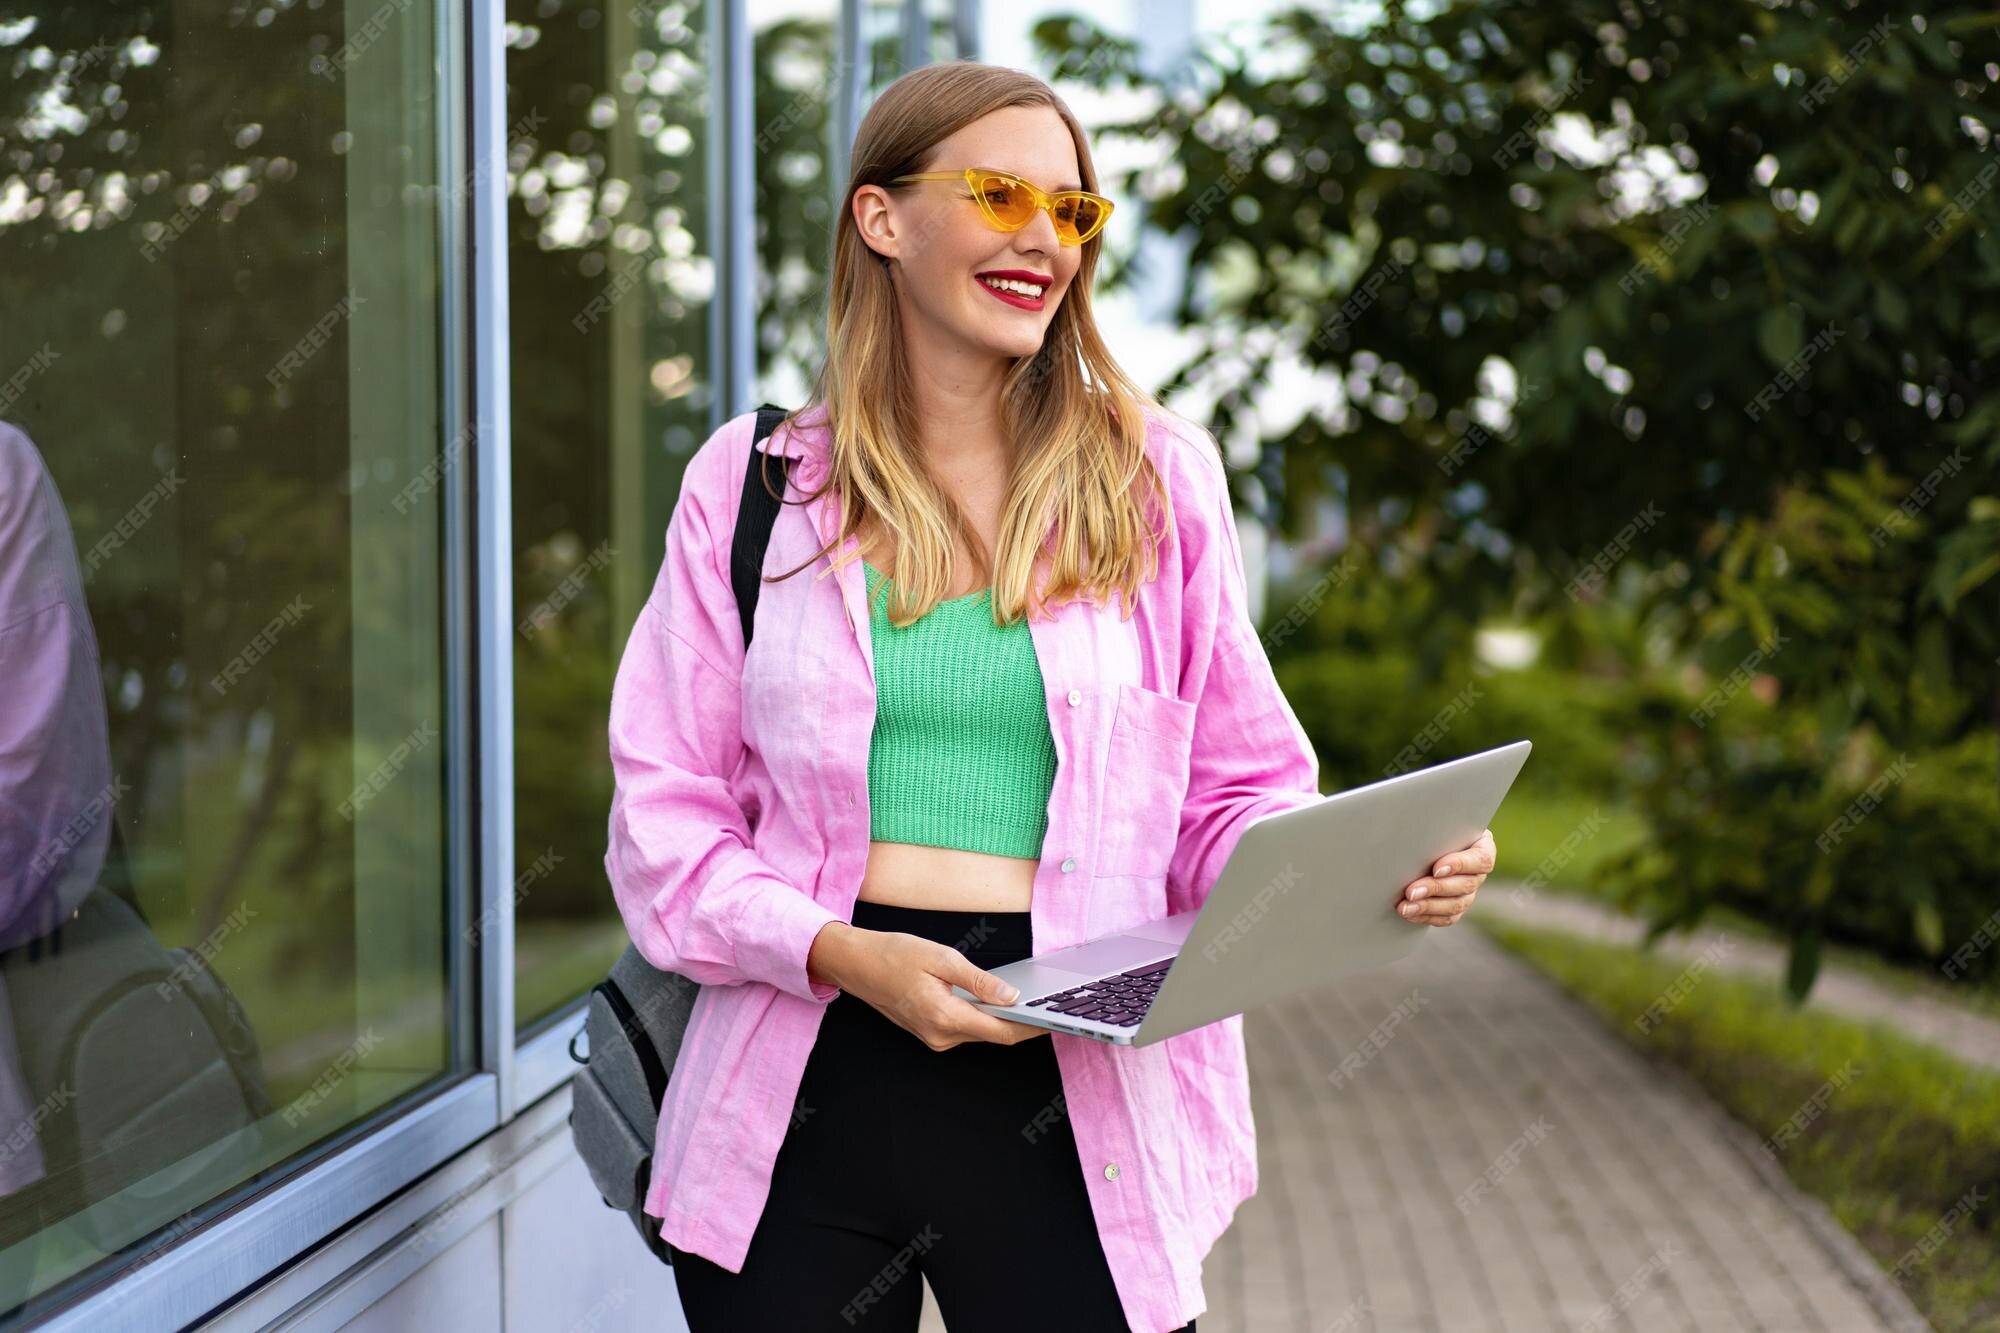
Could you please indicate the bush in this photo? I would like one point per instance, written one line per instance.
(1745, 810)
(1863, 845)
(1361, 710)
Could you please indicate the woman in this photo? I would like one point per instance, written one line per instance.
(910, 779)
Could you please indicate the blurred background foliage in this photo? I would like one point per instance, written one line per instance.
(1663, 338)
(1530, 278)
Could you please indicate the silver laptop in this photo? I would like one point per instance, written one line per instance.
(1308, 895)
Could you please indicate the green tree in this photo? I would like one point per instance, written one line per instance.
(1685, 309)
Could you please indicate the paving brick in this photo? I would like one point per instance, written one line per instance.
(1633, 1205)
(1639, 1207)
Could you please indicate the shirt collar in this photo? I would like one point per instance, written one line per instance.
(805, 437)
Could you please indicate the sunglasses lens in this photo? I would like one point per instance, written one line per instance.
(1009, 201)
(1078, 218)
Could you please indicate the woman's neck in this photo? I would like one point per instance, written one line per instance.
(956, 390)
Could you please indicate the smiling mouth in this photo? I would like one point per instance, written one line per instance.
(1015, 292)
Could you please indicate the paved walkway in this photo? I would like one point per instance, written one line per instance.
(1971, 1036)
(1598, 1191)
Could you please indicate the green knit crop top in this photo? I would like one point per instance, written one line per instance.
(962, 755)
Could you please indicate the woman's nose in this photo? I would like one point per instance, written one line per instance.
(1040, 233)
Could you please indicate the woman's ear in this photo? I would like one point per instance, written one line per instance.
(875, 221)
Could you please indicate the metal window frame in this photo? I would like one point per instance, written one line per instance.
(225, 1261)
(965, 18)
(493, 542)
(850, 79)
(732, 201)
(916, 35)
(342, 1278)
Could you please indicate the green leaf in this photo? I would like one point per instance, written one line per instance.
(1780, 333)
(1892, 306)
(1849, 227)
(1754, 221)
(1931, 674)
(1803, 966)
(1700, 240)
(1928, 926)
(1972, 578)
(1819, 880)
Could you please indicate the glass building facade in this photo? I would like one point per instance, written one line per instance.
(350, 352)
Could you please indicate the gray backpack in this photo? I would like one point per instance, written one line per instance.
(144, 1061)
(638, 1013)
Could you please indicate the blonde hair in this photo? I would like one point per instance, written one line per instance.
(1079, 439)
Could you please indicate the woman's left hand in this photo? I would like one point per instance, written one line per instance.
(1441, 898)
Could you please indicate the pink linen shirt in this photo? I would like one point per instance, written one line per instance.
(740, 827)
(55, 749)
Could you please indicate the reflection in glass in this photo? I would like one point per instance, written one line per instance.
(222, 718)
(611, 283)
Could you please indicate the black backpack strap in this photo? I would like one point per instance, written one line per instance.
(754, 517)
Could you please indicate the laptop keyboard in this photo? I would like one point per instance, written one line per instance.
(1120, 999)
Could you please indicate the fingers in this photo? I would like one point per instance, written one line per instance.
(957, 1021)
(1449, 886)
(962, 971)
(933, 1013)
(1435, 911)
(934, 1016)
(1478, 859)
(974, 1024)
(1441, 897)
(1438, 902)
(943, 1020)
(982, 1026)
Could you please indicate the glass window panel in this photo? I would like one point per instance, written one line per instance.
(611, 283)
(223, 902)
(795, 49)
(882, 47)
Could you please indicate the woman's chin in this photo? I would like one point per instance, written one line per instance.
(1015, 348)
(1009, 340)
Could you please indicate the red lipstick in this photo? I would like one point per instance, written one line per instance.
(1039, 281)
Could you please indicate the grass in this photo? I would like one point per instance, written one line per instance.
(558, 959)
(1531, 824)
(1903, 1139)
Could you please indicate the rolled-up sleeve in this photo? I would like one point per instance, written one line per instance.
(1250, 757)
(697, 898)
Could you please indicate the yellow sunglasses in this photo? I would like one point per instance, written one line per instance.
(1010, 202)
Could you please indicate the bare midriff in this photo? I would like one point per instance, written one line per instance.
(948, 879)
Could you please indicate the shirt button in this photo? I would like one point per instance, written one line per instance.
(1111, 1171)
(1069, 864)
(850, 800)
(1075, 698)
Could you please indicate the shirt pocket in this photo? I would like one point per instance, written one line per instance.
(1145, 782)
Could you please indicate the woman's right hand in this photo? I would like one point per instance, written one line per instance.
(909, 979)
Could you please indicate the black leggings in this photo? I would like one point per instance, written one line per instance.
(901, 1160)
